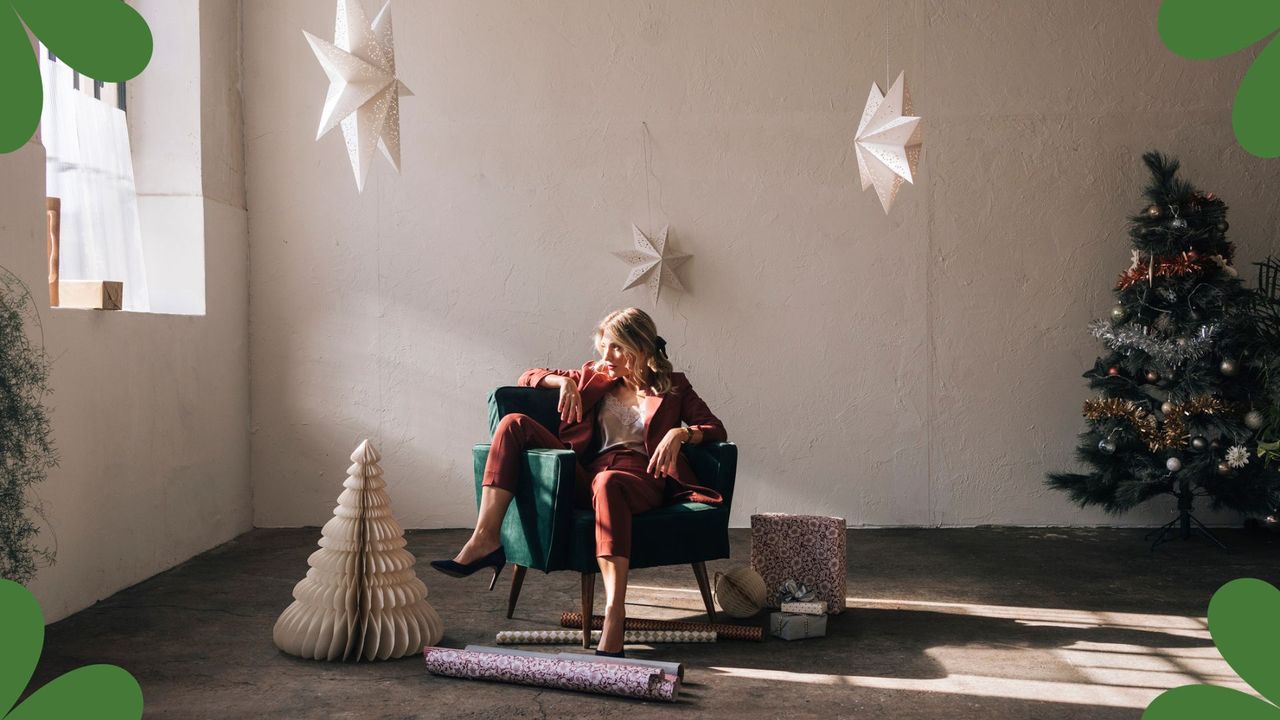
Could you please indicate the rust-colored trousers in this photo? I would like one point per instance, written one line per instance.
(616, 484)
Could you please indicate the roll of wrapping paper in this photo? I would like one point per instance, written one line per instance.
(600, 678)
(569, 637)
(725, 632)
(670, 668)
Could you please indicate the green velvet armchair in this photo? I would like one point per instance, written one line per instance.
(545, 531)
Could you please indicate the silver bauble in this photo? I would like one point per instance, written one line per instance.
(1119, 313)
(1178, 223)
(1107, 445)
(1253, 420)
(1199, 443)
(1173, 464)
(1228, 367)
(1167, 407)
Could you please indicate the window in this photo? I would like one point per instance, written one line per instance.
(89, 170)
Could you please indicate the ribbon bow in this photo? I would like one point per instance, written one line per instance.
(792, 591)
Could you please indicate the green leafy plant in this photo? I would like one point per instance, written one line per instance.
(1244, 620)
(103, 39)
(96, 691)
(1204, 29)
(26, 450)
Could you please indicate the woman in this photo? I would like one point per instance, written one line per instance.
(625, 416)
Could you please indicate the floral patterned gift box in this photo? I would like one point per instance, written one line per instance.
(808, 549)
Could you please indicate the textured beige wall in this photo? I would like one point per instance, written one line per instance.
(149, 412)
(916, 369)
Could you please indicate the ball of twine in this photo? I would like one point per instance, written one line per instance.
(740, 591)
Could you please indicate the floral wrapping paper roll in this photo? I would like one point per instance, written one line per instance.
(569, 637)
(600, 678)
(809, 549)
(723, 631)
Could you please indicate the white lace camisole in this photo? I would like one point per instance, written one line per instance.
(620, 425)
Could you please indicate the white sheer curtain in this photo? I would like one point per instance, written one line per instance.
(90, 168)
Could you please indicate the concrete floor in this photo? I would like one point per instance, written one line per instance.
(973, 623)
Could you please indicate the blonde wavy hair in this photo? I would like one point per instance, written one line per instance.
(646, 351)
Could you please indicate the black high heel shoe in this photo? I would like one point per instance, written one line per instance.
(496, 560)
(619, 654)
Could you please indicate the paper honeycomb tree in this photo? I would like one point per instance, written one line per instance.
(361, 599)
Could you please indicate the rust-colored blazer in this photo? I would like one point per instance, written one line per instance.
(679, 405)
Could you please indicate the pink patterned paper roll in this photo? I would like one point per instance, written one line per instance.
(600, 678)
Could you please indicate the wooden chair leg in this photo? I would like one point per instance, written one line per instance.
(700, 572)
(517, 579)
(588, 605)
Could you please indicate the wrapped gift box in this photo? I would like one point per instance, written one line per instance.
(793, 626)
(809, 549)
(805, 608)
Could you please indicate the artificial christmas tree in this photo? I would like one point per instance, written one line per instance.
(361, 599)
(1181, 392)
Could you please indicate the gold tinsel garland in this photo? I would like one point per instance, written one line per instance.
(1157, 436)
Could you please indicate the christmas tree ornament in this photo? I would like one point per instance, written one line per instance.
(1223, 226)
(1227, 367)
(1152, 376)
(1107, 445)
(364, 93)
(652, 263)
(1173, 464)
(1178, 223)
(1153, 211)
(1199, 443)
(1223, 469)
(888, 141)
(1272, 522)
(1167, 407)
(1113, 371)
(1119, 313)
(361, 599)
(1253, 420)
(1237, 456)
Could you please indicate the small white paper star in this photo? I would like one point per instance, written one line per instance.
(364, 94)
(888, 141)
(1237, 456)
(1136, 258)
(651, 264)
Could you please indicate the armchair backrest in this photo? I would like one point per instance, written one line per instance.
(537, 403)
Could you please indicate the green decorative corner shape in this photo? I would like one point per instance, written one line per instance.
(1244, 620)
(103, 39)
(1207, 29)
(97, 691)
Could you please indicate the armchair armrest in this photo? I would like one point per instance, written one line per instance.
(536, 529)
(716, 465)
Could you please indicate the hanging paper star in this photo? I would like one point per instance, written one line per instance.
(651, 264)
(888, 141)
(364, 94)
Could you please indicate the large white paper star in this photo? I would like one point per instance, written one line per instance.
(651, 264)
(888, 141)
(364, 94)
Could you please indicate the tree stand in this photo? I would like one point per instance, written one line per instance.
(1181, 526)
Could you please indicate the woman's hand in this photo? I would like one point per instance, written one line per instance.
(570, 405)
(663, 461)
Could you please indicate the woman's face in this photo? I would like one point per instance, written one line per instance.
(612, 357)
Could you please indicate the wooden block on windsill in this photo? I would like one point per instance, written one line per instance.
(91, 294)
